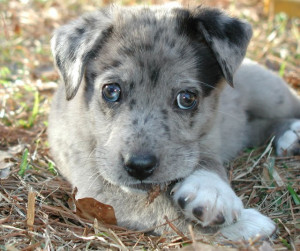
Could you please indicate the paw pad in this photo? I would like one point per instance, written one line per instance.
(219, 220)
(198, 213)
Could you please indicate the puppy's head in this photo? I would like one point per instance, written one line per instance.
(149, 79)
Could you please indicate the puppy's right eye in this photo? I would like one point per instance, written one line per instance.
(111, 92)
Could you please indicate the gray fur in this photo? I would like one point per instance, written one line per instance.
(152, 57)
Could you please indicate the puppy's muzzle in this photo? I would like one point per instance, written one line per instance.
(140, 166)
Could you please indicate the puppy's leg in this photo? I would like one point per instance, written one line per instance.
(204, 197)
(287, 142)
(286, 132)
(273, 108)
(264, 94)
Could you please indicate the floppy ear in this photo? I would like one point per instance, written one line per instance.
(227, 37)
(73, 44)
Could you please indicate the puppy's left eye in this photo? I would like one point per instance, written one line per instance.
(111, 92)
(186, 100)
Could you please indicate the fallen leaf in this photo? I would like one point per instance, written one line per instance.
(4, 173)
(152, 194)
(5, 164)
(293, 79)
(71, 204)
(89, 208)
(4, 157)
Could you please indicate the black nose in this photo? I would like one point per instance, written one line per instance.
(140, 166)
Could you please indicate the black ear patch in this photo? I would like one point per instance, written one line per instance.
(73, 44)
(227, 37)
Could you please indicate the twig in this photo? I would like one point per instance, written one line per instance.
(176, 230)
(268, 149)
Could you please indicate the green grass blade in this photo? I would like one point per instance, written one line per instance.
(35, 109)
(24, 163)
(285, 243)
(294, 195)
(51, 168)
(282, 69)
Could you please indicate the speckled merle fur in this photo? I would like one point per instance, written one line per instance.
(152, 54)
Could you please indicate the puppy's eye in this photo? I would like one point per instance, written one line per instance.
(111, 92)
(186, 100)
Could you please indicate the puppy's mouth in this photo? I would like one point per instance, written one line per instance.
(143, 186)
(165, 186)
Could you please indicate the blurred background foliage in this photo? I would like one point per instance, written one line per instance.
(28, 78)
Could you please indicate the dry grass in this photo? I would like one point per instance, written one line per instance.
(34, 209)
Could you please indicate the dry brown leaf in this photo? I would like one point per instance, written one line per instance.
(293, 79)
(152, 194)
(91, 209)
(71, 203)
(5, 164)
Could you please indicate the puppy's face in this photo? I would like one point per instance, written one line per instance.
(150, 84)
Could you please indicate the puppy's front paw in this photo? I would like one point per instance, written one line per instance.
(289, 142)
(205, 198)
(251, 224)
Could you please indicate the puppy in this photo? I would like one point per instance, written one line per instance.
(147, 100)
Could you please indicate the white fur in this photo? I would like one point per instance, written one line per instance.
(251, 224)
(289, 139)
(296, 126)
(206, 189)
